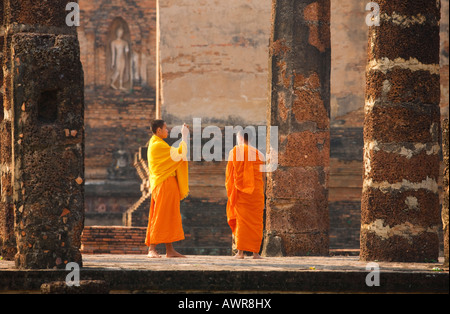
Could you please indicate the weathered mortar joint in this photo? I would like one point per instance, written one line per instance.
(406, 230)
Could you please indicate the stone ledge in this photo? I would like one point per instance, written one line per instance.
(218, 274)
(84, 287)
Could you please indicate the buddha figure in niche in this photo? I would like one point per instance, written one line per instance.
(119, 52)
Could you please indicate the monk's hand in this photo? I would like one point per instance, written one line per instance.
(185, 132)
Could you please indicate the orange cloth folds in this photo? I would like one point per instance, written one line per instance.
(164, 223)
(164, 160)
(245, 191)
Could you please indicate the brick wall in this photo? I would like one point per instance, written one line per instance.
(113, 240)
(214, 60)
(116, 121)
(204, 223)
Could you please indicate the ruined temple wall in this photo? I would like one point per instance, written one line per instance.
(116, 120)
(214, 60)
(98, 23)
(111, 114)
(214, 67)
(348, 56)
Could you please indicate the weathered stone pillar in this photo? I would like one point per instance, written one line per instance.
(297, 192)
(400, 202)
(44, 107)
(445, 148)
(7, 239)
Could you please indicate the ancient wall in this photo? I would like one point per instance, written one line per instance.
(214, 60)
(348, 57)
(118, 115)
(113, 240)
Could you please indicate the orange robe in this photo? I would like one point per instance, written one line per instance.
(245, 191)
(168, 172)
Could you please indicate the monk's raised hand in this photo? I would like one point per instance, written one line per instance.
(185, 131)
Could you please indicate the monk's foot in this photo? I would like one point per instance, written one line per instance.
(153, 254)
(257, 256)
(239, 256)
(174, 254)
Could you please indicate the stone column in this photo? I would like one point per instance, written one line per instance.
(400, 202)
(445, 149)
(297, 220)
(7, 238)
(44, 94)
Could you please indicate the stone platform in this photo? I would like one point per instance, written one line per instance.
(224, 274)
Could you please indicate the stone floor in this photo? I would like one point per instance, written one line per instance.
(337, 263)
(224, 273)
(228, 263)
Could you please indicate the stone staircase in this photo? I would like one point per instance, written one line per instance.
(137, 215)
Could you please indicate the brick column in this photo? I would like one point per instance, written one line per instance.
(44, 95)
(400, 202)
(445, 149)
(297, 192)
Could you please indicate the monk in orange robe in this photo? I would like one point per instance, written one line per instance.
(168, 174)
(245, 191)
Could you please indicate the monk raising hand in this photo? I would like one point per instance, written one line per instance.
(245, 191)
(168, 169)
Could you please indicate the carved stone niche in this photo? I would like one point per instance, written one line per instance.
(121, 167)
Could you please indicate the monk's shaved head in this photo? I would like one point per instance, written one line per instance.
(245, 135)
(157, 124)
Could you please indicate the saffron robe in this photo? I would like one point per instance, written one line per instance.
(169, 183)
(245, 191)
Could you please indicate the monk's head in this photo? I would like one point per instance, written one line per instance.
(159, 128)
(242, 137)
